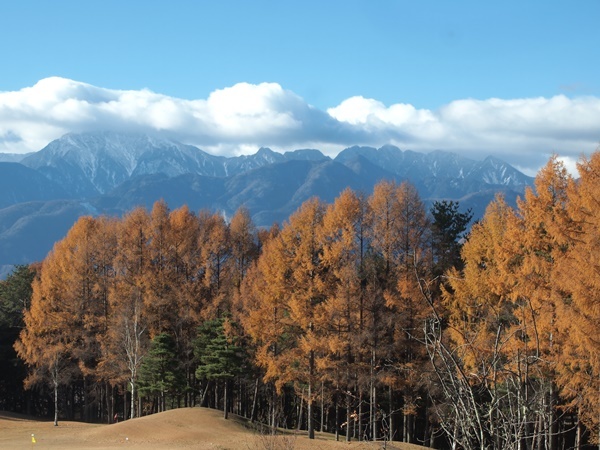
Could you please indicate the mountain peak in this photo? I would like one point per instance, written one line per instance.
(265, 153)
(306, 155)
(101, 160)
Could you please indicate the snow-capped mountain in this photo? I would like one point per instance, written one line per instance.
(91, 164)
(439, 165)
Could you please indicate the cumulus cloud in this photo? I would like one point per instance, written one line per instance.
(241, 118)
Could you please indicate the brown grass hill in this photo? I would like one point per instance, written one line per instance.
(184, 428)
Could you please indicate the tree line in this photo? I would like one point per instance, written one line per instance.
(371, 317)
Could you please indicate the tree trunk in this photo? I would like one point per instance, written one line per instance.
(216, 395)
(309, 411)
(204, 398)
(337, 416)
(112, 405)
(404, 427)
(577, 444)
(348, 415)
(553, 423)
(373, 402)
(426, 433)
(323, 412)
(274, 411)
(225, 408)
(253, 412)
(300, 411)
(360, 415)
(391, 414)
(133, 393)
(86, 400)
(55, 402)
(374, 412)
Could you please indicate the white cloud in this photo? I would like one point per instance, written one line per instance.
(241, 118)
(524, 132)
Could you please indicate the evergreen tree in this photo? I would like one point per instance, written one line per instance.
(219, 355)
(15, 297)
(448, 229)
(160, 374)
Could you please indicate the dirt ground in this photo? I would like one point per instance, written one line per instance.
(185, 428)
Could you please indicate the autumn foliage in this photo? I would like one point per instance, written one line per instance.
(366, 317)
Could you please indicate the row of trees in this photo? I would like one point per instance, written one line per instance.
(359, 317)
(335, 300)
(111, 286)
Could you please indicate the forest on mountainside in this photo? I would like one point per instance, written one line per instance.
(370, 317)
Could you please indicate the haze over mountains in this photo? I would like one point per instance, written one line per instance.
(43, 193)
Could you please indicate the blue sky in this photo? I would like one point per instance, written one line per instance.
(372, 71)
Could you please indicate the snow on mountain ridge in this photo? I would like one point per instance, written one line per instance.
(86, 148)
(94, 163)
(101, 160)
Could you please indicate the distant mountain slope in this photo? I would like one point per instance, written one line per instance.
(13, 157)
(111, 173)
(271, 193)
(20, 184)
(196, 191)
(29, 230)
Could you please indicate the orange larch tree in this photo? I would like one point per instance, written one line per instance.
(399, 248)
(263, 315)
(90, 247)
(244, 246)
(579, 275)
(291, 275)
(408, 309)
(469, 358)
(215, 253)
(344, 247)
(54, 323)
(126, 340)
(184, 256)
(540, 231)
(380, 278)
(161, 289)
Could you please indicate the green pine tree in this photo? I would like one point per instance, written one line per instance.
(219, 356)
(448, 230)
(15, 297)
(160, 374)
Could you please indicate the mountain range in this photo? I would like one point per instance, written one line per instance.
(43, 193)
